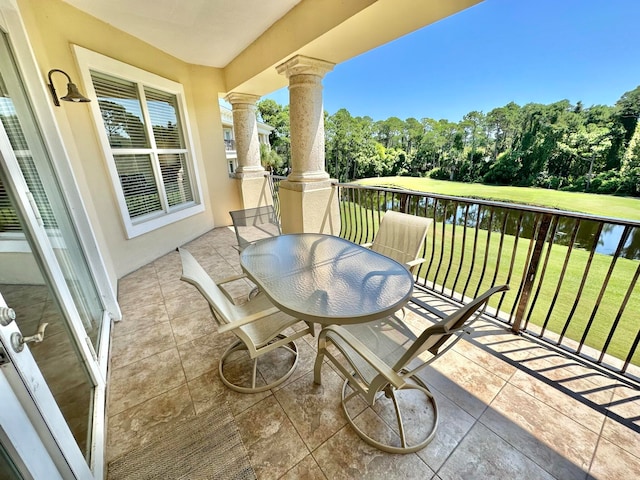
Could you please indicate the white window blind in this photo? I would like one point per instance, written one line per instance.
(9, 221)
(138, 184)
(148, 147)
(121, 112)
(8, 218)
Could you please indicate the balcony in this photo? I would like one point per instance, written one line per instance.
(229, 144)
(511, 405)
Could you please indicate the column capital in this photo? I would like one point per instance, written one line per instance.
(301, 65)
(235, 98)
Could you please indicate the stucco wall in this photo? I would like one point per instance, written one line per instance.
(53, 27)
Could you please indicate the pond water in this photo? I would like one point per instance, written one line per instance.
(607, 240)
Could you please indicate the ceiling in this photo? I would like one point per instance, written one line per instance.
(191, 30)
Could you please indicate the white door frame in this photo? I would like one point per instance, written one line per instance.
(24, 362)
(26, 386)
(18, 436)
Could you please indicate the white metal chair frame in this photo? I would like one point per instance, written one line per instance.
(380, 365)
(258, 324)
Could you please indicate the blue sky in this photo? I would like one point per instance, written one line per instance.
(496, 52)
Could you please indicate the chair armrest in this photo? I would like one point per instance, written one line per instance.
(415, 262)
(246, 320)
(442, 330)
(233, 278)
(367, 245)
(369, 356)
(229, 280)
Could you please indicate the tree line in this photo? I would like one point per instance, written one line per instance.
(559, 145)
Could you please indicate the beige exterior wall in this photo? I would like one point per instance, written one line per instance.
(53, 27)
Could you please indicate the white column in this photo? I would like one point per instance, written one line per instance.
(307, 200)
(306, 117)
(245, 132)
(253, 188)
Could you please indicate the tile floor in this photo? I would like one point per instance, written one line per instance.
(509, 407)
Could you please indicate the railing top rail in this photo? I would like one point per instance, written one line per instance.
(494, 203)
(275, 177)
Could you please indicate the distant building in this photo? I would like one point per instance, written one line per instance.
(229, 139)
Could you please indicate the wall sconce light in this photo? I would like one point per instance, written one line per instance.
(73, 94)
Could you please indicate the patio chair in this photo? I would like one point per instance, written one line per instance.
(401, 237)
(258, 324)
(381, 359)
(254, 224)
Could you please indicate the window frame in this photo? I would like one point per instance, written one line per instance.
(92, 61)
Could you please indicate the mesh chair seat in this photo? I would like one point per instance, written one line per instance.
(388, 338)
(401, 237)
(254, 224)
(261, 332)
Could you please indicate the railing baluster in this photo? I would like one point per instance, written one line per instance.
(623, 305)
(462, 249)
(486, 251)
(453, 242)
(614, 260)
(513, 260)
(582, 282)
(574, 234)
(632, 352)
(500, 245)
(433, 242)
(353, 215)
(551, 236)
(371, 227)
(360, 223)
(473, 254)
(347, 194)
(442, 242)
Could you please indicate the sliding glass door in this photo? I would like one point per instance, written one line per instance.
(52, 342)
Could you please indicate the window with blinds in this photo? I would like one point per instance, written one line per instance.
(147, 142)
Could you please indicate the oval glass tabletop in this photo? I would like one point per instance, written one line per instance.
(327, 279)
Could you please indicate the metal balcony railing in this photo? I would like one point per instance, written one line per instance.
(573, 277)
(229, 145)
(274, 187)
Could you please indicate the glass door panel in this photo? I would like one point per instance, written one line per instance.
(44, 274)
(44, 192)
(26, 290)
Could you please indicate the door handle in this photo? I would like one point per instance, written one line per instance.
(18, 341)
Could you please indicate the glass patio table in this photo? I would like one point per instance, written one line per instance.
(326, 279)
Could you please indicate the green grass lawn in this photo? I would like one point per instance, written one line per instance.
(601, 205)
(459, 263)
